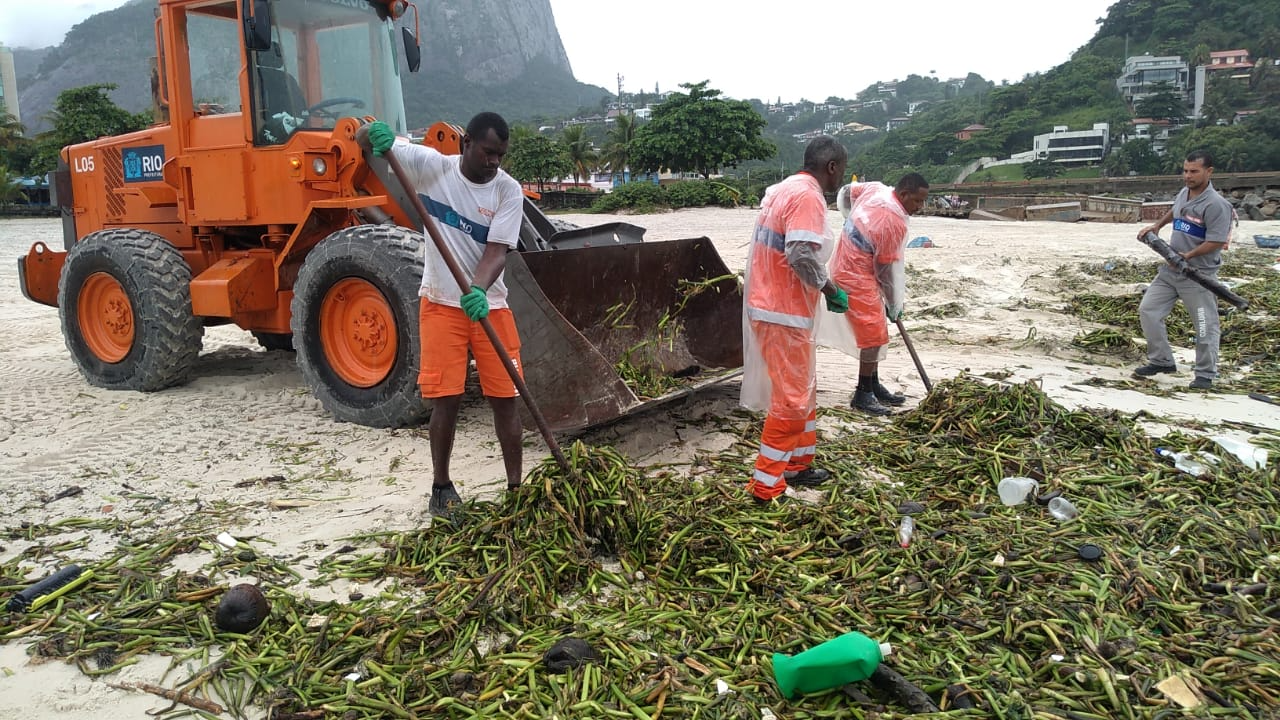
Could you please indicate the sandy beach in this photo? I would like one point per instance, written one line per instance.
(244, 449)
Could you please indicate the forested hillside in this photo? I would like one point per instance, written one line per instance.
(1083, 91)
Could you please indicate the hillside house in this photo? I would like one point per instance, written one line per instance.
(1142, 73)
(1223, 66)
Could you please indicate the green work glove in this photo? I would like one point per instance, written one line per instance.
(380, 137)
(475, 303)
(838, 301)
(893, 312)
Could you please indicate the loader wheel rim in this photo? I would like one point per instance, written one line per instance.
(358, 332)
(106, 317)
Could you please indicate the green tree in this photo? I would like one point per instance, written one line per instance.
(936, 150)
(1223, 96)
(10, 190)
(10, 129)
(82, 114)
(700, 132)
(617, 151)
(537, 158)
(1042, 168)
(1164, 103)
(581, 152)
(86, 113)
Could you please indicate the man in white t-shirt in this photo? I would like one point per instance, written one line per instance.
(477, 208)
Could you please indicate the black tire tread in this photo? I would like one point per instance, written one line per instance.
(395, 256)
(167, 339)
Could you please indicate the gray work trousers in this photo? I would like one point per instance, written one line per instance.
(1202, 305)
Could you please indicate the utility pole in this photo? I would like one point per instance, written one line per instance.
(619, 92)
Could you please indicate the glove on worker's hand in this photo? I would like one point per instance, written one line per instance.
(838, 301)
(380, 137)
(475, 303)
(893, 312)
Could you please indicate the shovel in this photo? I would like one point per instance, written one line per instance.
(465, 284)
(906, 340)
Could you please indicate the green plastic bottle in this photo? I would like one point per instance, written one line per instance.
(848, 658)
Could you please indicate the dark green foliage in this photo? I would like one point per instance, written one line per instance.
(643, 196)
(700, 132)
(692, 194)
(639, 196)
(79, 115)
(537, 159)
(1136, 156)
(1178, 27)
(1164, 103)
(1042, 168)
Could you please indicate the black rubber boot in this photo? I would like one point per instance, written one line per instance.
(865, 400)
(887, 396)
(808, 477)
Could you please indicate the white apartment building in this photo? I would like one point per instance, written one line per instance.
(8, 84)
(1073, 147)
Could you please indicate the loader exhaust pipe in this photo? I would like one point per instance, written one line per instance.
(464, 283)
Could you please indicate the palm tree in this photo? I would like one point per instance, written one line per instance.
(10, 190)
(581, 152)
(10, 128)
(618, 151)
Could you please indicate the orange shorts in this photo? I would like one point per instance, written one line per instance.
(447, 334)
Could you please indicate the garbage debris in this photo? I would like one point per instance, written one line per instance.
(568, 654)
(1016, 490)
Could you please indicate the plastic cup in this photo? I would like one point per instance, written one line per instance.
(1016, 490)
(1062, 509)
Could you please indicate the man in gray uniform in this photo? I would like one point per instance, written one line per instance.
(1202, 222)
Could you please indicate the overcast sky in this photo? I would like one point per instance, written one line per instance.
(801, 49)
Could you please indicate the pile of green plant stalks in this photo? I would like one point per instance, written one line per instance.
(1250, 338)
(640, 366)
(1107, 340)
(678, 580)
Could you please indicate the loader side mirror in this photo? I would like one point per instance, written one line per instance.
(257, 24)
(412, 53)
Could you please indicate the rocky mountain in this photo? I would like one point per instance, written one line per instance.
(501, 55)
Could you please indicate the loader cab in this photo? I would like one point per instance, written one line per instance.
(327, 60)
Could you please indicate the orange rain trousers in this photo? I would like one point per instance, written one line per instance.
(790, 435)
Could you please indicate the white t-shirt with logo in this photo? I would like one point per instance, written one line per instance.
(468, 216)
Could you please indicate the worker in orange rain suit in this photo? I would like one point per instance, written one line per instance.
(786, 270)
(869, 263)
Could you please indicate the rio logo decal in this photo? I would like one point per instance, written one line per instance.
(143, 164)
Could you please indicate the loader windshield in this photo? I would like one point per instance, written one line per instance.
(329, 59)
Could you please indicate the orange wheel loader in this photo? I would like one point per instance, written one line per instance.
(251, 203)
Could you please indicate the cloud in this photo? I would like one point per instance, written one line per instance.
(41, 23)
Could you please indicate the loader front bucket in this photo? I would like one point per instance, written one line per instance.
(612, 329)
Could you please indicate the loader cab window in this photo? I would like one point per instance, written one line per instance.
(328, 60)
(214, 44)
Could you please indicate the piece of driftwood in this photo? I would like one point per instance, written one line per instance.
(910, 696)
(175, 695)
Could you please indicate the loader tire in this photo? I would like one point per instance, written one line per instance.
(355, 324)
(124, 299)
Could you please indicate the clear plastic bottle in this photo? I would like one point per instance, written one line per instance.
(905, 530)
(1062, 509)
(1186, 462)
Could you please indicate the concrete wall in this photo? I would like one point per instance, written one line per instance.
(1061, 212)
(1125, 209)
